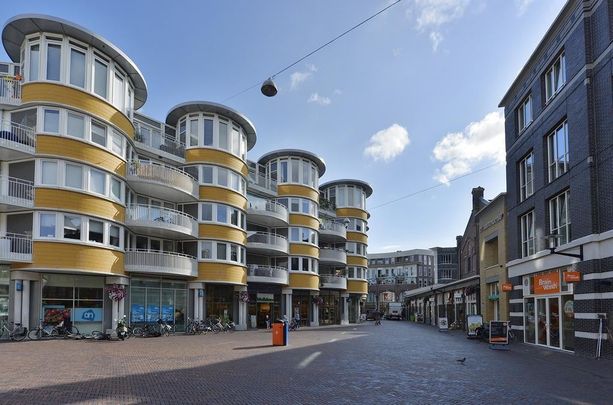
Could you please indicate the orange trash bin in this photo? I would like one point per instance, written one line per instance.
(277, 334)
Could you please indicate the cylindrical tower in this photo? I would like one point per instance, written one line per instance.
(217, 139)
(347, 197)
(297, 174)
(69, 116)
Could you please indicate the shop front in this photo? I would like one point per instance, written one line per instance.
(549, 310)
(73, 299)
(330, 309)
(264, 304)
(220, 302)
(4, 295)
(152, 299)
(301, 305)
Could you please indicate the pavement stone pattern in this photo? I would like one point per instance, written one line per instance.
(396, 363)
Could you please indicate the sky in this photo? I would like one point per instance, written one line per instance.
(407, 102)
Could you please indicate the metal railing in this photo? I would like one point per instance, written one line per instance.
(163, 174)
(265, 182)
(16, 191)
(333, 226)
(258, 270)
(10, 90)
(17, 136)
(14, 246)
(333, 280)
(267, 238)
(152, 261)
(161, 216)
(269, 206)
(154, 138)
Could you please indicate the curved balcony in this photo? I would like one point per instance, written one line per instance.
(161, 263)
(257, 273)
(16, 141)
(270, 214)
(332, 281)
(336, 257)
(15, 248)
(161, 181)
(161, 222)
(15, 193)
(268, 244)
(332, 232)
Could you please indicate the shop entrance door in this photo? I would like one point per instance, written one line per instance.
(548, 321)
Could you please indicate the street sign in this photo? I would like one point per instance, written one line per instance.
(507, 287)
(571, 276)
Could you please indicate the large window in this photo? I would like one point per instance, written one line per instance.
(346, 196)
(302, 235)
(555, 77)
(524, 114)
(77, 68)
(299, 205)
(559, 219)
(527, 234)
(526, 177)
(54, 58)
(101, 77)
(34, 61)
(219, 176)
(300, 263)
(557, 151)
(214, 131)
(294, 170)
(222, 251)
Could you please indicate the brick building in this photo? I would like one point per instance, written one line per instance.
(559, 148)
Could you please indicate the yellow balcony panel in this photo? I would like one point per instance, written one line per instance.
(37, 92)
(210, 231)
(77, 257)
(303, 220)
(357, 237)
(357, 261)
(222, 273)
(223, 195)
(297, 190)
(352, 213)
(82, 151)
(357, 286)
(306, 281)
(296, 249)
(216, 156)
(64, 200)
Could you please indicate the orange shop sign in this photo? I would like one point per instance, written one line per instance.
(571, 276)
(506, 287)
(548, 283)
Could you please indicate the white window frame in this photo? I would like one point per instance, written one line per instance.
(555, 167)
(552, 88)
(555, 220)
(527, 238)
(526, 177)
(524, 114)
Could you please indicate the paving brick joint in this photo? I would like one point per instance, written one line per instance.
(398, 362)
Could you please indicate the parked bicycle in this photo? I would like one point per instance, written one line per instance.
(53, 331)
(166, 328)
(16, 332)
(147, 330)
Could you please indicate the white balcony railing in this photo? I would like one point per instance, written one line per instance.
(268, 206)
(268, 241)
(265, 182)
(164, 175)
(164, 263)
(148, 215)
(17, 136)
(333, 226)
(16, 191)
(269, 213)
(332, 255)
(267, 274)
(15, 247)
(10, 90)
(333, 281)
(155, 139)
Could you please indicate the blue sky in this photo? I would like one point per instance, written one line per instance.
(405, 102)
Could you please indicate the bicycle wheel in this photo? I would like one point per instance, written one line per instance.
(73, 330)
(19, 334)
(138, 332)
(35, 334)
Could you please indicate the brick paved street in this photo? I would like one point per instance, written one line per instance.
(357, 364)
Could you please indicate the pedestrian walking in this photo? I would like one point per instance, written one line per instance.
(377, 318)
(267, 322)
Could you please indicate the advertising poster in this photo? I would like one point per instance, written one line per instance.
(138, 313)
(153, 313)
(474, 322)
(87, 315)
(168, 313)
(443, 324)
(499, 334)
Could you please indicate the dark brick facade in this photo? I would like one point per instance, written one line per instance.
(583, 32)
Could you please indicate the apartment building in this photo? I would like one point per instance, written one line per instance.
(558, 125)
(106, 212)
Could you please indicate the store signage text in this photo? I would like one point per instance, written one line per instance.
(547, 283)
(571, 276)
(506, 287)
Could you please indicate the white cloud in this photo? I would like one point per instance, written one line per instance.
(387, 143)
(321, 100)
(462, 151)
(431, 15)
(298, 77)
(522, 6)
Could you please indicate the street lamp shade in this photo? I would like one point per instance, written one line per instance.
(268, 88)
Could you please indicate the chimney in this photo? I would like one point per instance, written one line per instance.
(477, 196)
